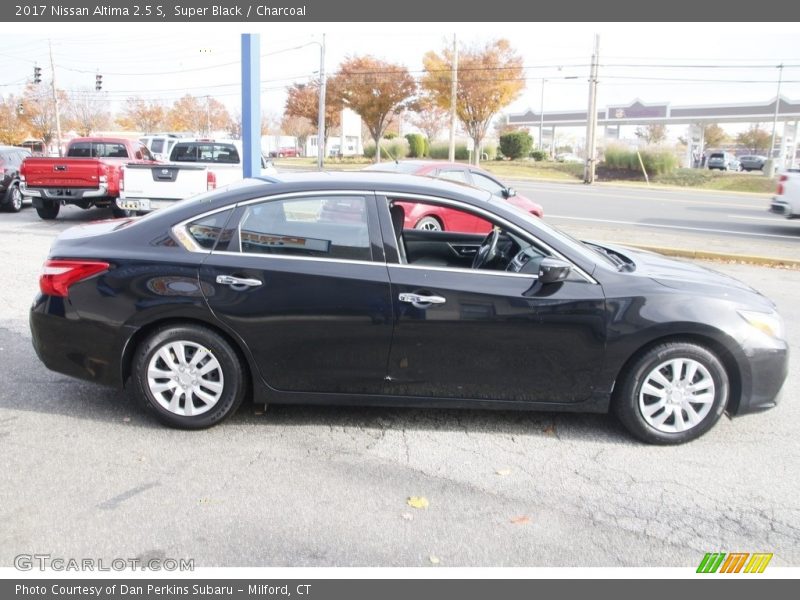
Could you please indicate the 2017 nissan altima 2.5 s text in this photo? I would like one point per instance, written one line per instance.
(311, 291)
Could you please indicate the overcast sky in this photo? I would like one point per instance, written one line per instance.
(731, 62)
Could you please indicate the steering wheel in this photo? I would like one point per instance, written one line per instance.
(488, 249)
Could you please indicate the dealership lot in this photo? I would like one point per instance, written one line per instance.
(86, 473)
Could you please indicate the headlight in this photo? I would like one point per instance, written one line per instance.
(770, 323)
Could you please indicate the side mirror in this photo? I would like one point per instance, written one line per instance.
(508, 192)
(552, 270)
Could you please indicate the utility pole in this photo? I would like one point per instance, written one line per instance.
(541, 117)
(55, 98)
(771, 169)
(321, 115)
(453, 94)
(591, 121)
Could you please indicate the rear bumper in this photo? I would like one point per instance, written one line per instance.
(64, 194)
(73, 346)
(144, 204)
(784, 208)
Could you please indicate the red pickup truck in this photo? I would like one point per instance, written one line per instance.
(88, 176)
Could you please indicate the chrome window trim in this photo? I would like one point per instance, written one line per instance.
(347, 261)
(492, 217)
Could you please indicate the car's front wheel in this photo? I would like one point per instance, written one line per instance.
(189, 376)
(673, 393)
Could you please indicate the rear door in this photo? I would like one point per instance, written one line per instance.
(303, 281)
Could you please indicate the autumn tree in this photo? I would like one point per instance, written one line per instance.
(12, 128)
(375, 90)
(147, 116)
(302, 102)
(430, 118)
(87, 112)
(39, 111)
(489, 78)
(200, 115)
(297, 127)
(655, 133)
(714, 136)
(755, 139)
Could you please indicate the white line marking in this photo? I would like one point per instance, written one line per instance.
(775, 220)
(682, 228)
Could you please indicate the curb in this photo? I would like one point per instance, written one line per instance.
(766, 261)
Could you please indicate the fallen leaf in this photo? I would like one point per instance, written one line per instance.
(417, 502)
(521, 520)
(503, 472)
(550, 430)
(434, 559)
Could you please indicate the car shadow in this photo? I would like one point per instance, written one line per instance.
(31, 387)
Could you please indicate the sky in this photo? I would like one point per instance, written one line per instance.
(677, 63)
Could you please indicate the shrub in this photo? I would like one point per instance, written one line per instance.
(441, 151)
(369, 150)
(394, 149)
(416, 145)
(516, 144)
(657, 161)
(538, 155)
(489, 152)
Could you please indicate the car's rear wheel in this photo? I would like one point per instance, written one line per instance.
(429, 224)
(14, 199)
(49, 210)
(189, 376)
(673, 393)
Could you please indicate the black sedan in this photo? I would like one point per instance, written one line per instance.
(310, 291)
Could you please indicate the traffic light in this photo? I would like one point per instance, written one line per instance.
(98, 82)
(37, 74)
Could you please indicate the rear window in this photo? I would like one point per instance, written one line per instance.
(157, 146)
(97, 150)
(205, 152)
(717, 155)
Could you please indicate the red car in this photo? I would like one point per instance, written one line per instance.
(438, 218)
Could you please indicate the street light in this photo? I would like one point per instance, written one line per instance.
(541, 111)
(321, 114)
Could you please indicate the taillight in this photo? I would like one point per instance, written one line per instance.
(58, 275)
(122, 179)
(782, 178)
(211, 181)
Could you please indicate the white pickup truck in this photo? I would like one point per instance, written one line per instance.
(194, 166)
(786, 201)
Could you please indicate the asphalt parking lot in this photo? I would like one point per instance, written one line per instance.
(85, 473)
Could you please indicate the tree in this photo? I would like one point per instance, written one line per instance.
(755, 139)
(39, 111)
(430, 118)
(302, 102)
(143, 115)
(200, 115)
(655, 133)
(375, 90)
(87, 112)
(12, 128)
(714, 136)
(298, 127)
(489, 79)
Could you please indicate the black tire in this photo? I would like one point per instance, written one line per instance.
(429, 224)
(13, 199)
(630, 400)
(49, 211)
(228, 374)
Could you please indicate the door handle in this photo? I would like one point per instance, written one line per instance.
(421, 301)
(238, 282)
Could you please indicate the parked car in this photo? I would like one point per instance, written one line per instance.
(160, 145)
(439, 218)
(309, 290)
(88, 176)
(724, 161)
(11, 158)
(786, 201)
(752, 162)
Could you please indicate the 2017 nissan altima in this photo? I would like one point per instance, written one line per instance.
(311, 291)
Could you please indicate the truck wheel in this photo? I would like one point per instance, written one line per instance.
(121, 213)
(48, 211)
